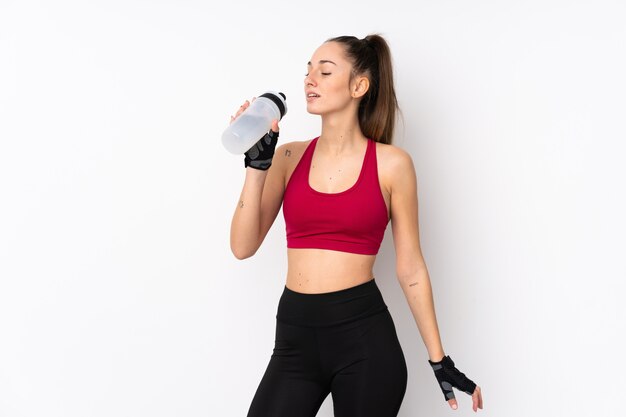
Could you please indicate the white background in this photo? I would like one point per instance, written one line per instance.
(118, 292)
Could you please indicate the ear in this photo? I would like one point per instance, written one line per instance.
(360, 86)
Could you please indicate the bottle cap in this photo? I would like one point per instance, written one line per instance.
(279, 99)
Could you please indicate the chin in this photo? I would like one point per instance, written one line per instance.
(313, 110)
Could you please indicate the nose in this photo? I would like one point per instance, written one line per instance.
(308, 81)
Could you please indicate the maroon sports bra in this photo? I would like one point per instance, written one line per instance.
(352, 221)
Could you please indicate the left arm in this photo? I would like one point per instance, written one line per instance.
(414, 279)
(410, 265)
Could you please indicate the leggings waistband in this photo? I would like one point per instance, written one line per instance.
(330, 308)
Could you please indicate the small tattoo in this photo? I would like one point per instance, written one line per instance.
(287, 152)
(412, 284)
(241, 203)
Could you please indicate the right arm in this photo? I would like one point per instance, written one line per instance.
(258, 206)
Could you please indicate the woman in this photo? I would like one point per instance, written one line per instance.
(334, 333)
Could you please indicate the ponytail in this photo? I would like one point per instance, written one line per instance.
(377, 110)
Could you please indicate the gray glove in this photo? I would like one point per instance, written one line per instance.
(260, 155)
(448, 376)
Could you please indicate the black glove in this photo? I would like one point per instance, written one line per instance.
(260, 155)
(448, 376)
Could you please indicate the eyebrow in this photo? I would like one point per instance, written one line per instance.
(322, 61)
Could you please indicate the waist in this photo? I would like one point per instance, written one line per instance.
(330, 308)
(325, 266)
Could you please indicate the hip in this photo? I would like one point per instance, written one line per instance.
(330, 308)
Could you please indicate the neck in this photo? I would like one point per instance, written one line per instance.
(340, 134)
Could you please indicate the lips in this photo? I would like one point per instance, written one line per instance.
(311, 96)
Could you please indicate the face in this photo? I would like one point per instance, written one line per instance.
(327, 81)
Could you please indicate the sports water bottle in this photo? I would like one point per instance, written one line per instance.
(254, 122)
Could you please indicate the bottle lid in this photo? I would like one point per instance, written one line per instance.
(279, 99)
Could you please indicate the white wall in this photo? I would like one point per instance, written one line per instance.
(118, 293)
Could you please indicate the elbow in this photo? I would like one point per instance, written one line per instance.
(243, 246)
(242, 253)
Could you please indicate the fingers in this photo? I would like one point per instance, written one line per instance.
(453, 404)
(275, 127)
(241, 109)
(477, 399)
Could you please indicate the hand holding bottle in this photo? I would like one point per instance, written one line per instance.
(253, 120)
(260, 155)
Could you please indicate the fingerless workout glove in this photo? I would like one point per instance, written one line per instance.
(260, 155)
(448, 376)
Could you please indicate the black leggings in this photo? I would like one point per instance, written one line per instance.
(342, 342)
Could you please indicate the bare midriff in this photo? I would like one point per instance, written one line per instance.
(314, 271)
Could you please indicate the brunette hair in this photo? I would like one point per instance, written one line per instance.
(371, 57)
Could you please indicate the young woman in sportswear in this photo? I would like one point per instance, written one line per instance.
(334, 333)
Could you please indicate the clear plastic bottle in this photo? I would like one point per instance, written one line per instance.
(254, 122)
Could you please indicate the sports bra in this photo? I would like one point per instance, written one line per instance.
(352, 221)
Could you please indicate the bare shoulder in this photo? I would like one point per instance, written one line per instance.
(393, 162)
(287, 156)
(292, 149)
